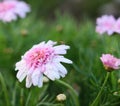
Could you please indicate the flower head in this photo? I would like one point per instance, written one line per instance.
(106, 24)
(110, 62)
(10, 9)
(42, 59)
(117, 26)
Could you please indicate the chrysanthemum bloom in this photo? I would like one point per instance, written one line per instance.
(43, 58)
(105, 24)
(10, 9)
(110, 62)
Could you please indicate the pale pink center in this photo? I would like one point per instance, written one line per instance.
(5, 6)
(111, 62)
(38, 57)
(108, 24)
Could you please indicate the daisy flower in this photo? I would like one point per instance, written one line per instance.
(10, 9)
(105, 24)
(42, 59)
(110, 62)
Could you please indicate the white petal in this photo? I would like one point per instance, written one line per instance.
(62, 59)
(61, 49)
(37, 78)
(21, 65)
(60, 52)
(31, 70)
(51, 72)
(61, 68)
(40, 81)
(52, 75)
(28, 81)
(50, 42)
(65, 60)
(21, 75)
(55, 72)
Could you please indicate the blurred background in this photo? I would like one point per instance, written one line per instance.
(77, 8)
(71, 22)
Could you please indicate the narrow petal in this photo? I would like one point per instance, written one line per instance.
(61, 49)
(51, 72)
(61, 68)
(37, 78)
(62, 59)
(51, 43)
(21, 75)
(21, 65)
(28, 81)
(40, 80)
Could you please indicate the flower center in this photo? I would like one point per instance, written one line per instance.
(38, 57)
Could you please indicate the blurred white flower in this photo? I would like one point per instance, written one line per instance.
(43, 58)
(10, 9)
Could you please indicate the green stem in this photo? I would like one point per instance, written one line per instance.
(4, 90)
(94, 103)
(73, 92)
(14, 94)
(21, 97)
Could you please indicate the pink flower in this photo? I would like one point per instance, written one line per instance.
(10, 9)
(43, 58)
(117, 26)
(110, 62)
(106, 24)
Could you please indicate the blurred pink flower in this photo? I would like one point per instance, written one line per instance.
(106, 24)
(110, 62)
(43, 58)
(117, 26)
(10, 9)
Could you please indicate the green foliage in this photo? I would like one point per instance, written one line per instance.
(86, 75)
(44, 8)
